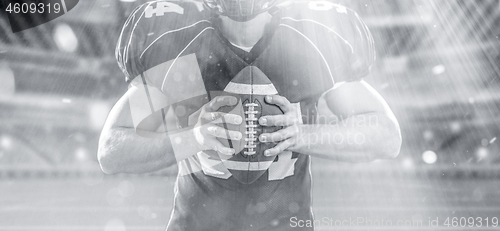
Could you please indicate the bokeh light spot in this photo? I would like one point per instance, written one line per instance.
(428, 135)
(98, 113)
(180, 111)
(114, 197)
(293, 207)
(177, 76)
(407, 163)
(115, 225)
(6, 142)
(81, 154)
(261, 207)
(65, 38)
(8, 86)
(429, 157)
(482, 153)
(250, 210)
(126, 188)
(455, 126)
(144, 211)
(438, 69)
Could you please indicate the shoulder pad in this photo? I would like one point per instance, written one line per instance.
(147, 22)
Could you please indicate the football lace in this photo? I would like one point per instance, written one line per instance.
(251, 124)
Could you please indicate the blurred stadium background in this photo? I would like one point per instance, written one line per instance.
(438, 67)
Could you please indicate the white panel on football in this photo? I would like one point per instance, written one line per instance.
(247, 166)
(263, 89)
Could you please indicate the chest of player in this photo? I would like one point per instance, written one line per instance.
(294, 58)
(292, 61)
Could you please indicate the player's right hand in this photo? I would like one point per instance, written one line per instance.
(210, 125)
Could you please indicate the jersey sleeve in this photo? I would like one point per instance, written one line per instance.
(149, 54)
(148, 104)
(362, 51)
(130, 43)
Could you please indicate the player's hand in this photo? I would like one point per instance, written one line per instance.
(207, 129)
(290, 120)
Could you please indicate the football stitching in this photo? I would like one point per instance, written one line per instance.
(250, 122)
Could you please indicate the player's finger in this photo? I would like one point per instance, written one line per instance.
(279, 148)
(278, 120)
(222, 117)
(220, 101)
(212, 116)
(229, 119)
(223, 133)
(219, 147)
(279, 101)
(279, 135)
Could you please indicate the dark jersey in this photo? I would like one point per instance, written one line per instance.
(175, 54)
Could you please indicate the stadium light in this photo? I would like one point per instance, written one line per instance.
(482, 153)
(439, 69)
(8, 86)
(6, 142)
(81, 154)
(407, 163)
(65, 38)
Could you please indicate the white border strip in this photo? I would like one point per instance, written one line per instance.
(258, 89)
(247, 166)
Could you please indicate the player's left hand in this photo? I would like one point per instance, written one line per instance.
(290, 120)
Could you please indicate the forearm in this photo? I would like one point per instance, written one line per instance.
(355, 139)
(121, 150)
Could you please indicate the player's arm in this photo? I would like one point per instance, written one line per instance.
(354, 122)
(355, 125)
(122, 150)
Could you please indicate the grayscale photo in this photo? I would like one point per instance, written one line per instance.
(249, 115)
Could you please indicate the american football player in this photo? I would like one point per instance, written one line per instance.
(178, 56)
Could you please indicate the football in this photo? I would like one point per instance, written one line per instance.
(250, 86)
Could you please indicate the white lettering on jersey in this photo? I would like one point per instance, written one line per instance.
(213, 167)
(282, 168)
(325, 5)
(162, 8)
(321, 5)
(285, 165)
